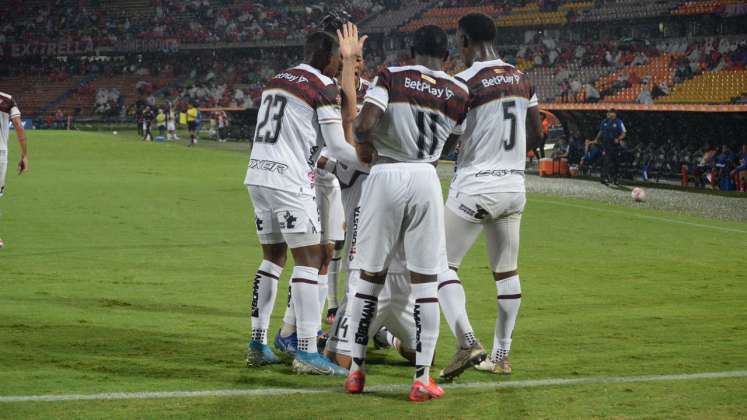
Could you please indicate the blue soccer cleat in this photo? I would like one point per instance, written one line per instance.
(316, 364)
(259, 354)
(287, 345)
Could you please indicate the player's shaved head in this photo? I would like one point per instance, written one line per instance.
(431, 41)
(478, 27)
(321, 52)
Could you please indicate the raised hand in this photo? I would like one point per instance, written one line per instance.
(351, 46)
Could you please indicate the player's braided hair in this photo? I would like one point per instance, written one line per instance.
(334, 21)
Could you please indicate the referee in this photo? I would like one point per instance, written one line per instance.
(611, 132)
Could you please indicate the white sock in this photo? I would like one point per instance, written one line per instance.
(305, 297)
(323, 284)
(264, 291)
(509, 300)
(362, 313)
(427, 321)
(289, 318)
(333, 272)
(454, 306)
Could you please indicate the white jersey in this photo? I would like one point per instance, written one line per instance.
(288, 137)
(8, 110)
(492, 155)
(422, 107)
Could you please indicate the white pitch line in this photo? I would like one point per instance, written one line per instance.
(531, 383)
(642, 216)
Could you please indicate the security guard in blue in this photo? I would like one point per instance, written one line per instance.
(611, 132)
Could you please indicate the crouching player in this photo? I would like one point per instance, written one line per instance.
(394, 323)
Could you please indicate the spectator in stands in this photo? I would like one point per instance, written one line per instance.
(645, 96)
(592, 94)
(611, 131)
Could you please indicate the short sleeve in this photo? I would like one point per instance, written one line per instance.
(458, 129)
(328, 105)
(622, 127)
(8, 105)
(378, 94)
(533, 100)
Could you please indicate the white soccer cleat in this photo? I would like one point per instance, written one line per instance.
(2, 244)
(502, 367)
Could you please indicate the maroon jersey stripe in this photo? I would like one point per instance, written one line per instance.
(411, 86)
(305, 86)
(495, 82)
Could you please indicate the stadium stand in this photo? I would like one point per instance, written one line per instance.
(718, 87)
(580, 57)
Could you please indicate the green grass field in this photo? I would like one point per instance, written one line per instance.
(127, 268)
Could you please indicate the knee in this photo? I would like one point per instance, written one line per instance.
(275, 253)
(498, 276)
(418, 278)
(377, 278)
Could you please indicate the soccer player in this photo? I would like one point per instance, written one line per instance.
(9, 112)
(351, 182)
(487, 192)
(406, 118)
(300, 113)
(148, 117)
(222, 118)
(394, 324)
(192, 114)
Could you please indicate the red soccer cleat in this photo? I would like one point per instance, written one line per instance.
(421, 392)
(355, 382)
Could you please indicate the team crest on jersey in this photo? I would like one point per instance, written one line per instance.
(289, 221)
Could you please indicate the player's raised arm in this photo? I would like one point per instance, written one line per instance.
(351, 49)
(376, 102)
(23, 164)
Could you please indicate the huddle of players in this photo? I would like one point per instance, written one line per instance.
(404, 247)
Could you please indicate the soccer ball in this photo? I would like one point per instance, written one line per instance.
(638, 194)
(114, 132)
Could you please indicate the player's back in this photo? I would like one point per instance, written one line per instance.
(493, 151)
(421, 108)
(287, 138)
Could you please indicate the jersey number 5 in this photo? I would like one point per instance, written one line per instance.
(423, 138)
(275, 105)
(509, 113)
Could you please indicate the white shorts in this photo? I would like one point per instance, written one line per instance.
(285, 217)
(171, 126)
(401, 203)
(395, 312)
(3, 170)
(331, 212)
(499, 214)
